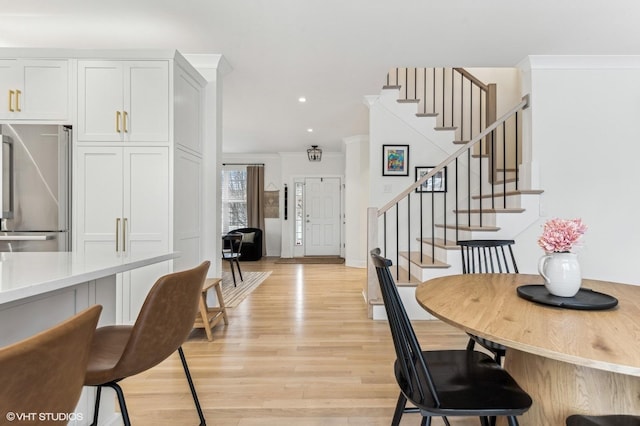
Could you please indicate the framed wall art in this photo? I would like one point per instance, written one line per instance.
(437, 183)
(395, 160)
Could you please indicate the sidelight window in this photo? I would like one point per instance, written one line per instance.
(299, 213)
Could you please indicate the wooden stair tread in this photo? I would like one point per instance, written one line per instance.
(470, 228)
(509, 193)
(445, 128)
(408, 101)
(391, 87)
(440, 243)
(426, 262)
(427, 114)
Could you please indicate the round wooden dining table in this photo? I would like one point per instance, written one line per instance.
(569, 361)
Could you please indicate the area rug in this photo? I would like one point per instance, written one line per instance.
(313, 260)
(234, 295)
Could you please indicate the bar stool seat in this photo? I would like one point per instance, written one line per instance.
(208, 317)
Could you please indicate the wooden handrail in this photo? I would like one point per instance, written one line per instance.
(472, 78)
(522, 105)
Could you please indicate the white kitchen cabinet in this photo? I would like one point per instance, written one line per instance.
(34, 89)
(187, 112)
(123, 101)
(187, 228)
(138, 164)
(124, 208)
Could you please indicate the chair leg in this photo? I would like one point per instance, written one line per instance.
(471, 344)
(512, 421)
(484, 421)
(233, 273)
(402, 402)
(96, 408)
(426, 421)
(239, 270)
(446, 421)
(123, 405)
(203, 422)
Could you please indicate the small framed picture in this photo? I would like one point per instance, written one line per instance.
(436, 183)
(395, 160)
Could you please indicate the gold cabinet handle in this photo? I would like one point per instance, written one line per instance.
(117, 234)
(125, 114)
(18, 93)
(118, 121)
(124, 234)
(11, 93)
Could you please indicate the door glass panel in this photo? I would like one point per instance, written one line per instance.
(299, 213)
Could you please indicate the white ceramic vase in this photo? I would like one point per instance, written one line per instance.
(561, 273)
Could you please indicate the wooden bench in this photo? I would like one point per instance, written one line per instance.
(208, 317)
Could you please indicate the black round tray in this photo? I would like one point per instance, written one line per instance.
(586, 299)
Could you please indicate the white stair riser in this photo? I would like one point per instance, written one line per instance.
(414, 310)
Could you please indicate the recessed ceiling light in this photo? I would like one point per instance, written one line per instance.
(310, 130)
(302, 99)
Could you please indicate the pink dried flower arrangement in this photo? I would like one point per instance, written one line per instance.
(560, 235)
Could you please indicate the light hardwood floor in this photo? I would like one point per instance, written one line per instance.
(298, 351)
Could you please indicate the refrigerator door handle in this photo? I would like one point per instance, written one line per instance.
(25, 237)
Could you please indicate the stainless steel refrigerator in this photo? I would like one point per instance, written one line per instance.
(36, 188)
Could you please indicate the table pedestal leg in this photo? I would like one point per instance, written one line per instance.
(559, 389)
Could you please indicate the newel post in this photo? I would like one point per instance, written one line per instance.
(371, 291)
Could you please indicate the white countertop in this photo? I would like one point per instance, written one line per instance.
(28, 274)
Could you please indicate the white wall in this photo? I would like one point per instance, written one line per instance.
(585, 152)
(507, 82)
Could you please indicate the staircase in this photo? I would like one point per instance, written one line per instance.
(418, 228)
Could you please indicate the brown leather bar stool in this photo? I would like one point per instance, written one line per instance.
(208, 317)
(45, 373)
(164, 323)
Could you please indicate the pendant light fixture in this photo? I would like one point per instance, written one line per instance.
(314, 153)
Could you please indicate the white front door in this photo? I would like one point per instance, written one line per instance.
(322, 216)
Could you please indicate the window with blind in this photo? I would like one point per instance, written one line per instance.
(234, 200)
